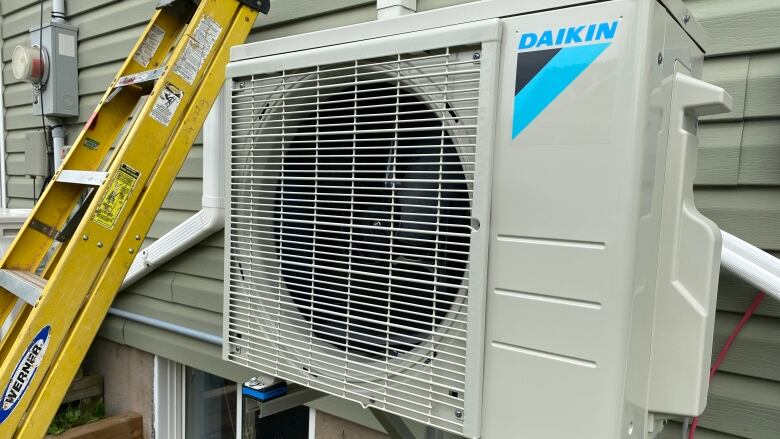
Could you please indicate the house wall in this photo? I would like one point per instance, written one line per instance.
(738, 186)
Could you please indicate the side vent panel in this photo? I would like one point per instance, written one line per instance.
(351, 190)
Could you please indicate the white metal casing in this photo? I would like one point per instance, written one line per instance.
(584, 239)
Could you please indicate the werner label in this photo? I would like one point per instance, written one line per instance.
(24, 373)
(569, 36)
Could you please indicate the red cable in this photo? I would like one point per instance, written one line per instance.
(745, 317)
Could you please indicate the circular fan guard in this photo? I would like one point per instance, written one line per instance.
(359, 254)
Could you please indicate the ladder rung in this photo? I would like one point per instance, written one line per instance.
(22, 284)
(140, 77)
(87, 178)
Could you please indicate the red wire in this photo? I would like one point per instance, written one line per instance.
(722, 355)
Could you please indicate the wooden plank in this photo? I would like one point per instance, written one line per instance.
(127, 426)
(89, 385)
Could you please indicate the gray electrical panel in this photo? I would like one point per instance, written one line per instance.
(58, 95)
(36, 154)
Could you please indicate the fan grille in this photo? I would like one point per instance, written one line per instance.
(350, 221)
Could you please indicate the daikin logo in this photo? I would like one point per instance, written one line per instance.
(565, 36)
(549, 61)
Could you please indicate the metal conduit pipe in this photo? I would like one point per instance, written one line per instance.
(58, 11)
(168, 326)
(58, 134)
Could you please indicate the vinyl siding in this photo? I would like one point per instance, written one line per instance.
(738, 186)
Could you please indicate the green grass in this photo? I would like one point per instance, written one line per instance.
(77, 413)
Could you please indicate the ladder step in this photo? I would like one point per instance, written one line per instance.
(140, 77)
(87, 178)
(23, 284)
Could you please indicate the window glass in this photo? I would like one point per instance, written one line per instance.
(210, 406)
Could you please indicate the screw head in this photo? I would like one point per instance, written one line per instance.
(131, 251)
(660, 58)
(687, 18)
(458, 413)
(100, 245)
(85, 238)
(476, 56)
(137, 237)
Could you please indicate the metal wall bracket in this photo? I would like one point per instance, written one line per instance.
(296, 395)
(395, 427)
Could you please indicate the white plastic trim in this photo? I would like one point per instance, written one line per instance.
(394, 8)
(207, 221)
(752, 264)
(168, 393)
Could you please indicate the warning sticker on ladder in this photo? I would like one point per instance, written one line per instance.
(197, 49)
(116, 197)
(166, 104)
(149, 45)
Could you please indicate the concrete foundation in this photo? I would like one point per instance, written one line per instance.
(128, 379)
(331, 427)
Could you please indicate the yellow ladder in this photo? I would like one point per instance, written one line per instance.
(61, 274)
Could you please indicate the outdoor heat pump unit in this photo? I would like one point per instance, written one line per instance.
(479, 218)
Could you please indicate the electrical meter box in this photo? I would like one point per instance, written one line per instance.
(58, 94)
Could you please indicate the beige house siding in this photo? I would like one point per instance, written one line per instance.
(738, 185)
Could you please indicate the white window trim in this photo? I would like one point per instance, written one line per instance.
(170, 386)
(169, 391)
(312, 419)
